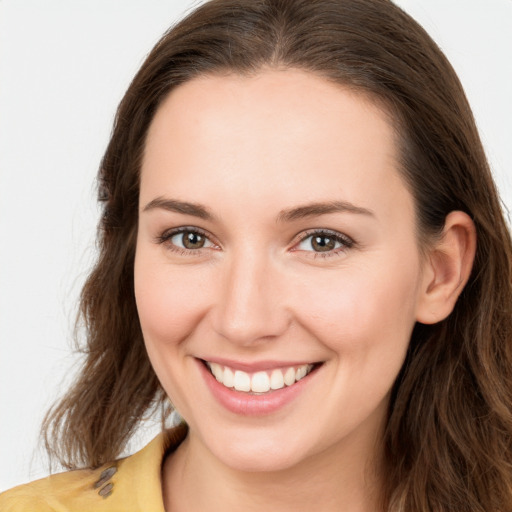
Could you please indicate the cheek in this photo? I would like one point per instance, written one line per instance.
(170, 306)
(170, 300)
(362, 309)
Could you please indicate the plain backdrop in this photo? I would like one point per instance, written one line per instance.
(64, 65)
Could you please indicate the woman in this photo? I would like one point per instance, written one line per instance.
(303, 249)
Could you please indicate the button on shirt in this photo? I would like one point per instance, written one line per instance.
(132, 484)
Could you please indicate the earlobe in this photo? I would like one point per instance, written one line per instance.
(447, 268)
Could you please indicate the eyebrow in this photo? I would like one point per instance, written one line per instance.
(290, 215)
(173, 205)
(316, 209)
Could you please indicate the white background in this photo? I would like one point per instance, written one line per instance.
(64, 66)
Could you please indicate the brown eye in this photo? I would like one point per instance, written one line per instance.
(186, 239)
(323, 243)
(326, 242)
(191, 240)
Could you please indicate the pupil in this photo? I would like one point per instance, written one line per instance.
(323, 243)
(193, 240)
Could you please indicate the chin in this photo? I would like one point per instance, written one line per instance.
(258, 461)
(256, 453)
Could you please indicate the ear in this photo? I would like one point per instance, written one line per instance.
(446, 269)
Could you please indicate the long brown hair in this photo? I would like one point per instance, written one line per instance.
(448, 440)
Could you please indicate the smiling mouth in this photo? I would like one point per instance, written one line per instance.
(259, 382)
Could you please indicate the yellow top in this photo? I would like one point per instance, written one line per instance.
(132, 484)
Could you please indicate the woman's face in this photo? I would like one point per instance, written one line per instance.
(276, 248)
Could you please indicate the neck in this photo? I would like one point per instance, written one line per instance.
(343, 477)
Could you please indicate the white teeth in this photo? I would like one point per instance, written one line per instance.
(228, 378)
(276, 379)
(217, 371)
(289, 376)
(259, 382)
(242, 381)
(301, 372)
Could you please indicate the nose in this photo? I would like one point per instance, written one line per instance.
(251, 305)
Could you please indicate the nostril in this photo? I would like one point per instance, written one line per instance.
(254, 327)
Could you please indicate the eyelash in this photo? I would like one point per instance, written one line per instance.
(165, 238)
(344, 241)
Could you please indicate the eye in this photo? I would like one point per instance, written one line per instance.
(189, 240)
(186, 239)
(325, 242)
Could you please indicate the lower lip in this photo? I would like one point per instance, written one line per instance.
(246, 404)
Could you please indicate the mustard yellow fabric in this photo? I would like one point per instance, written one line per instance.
(132, 484)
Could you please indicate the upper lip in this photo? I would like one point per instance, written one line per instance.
(255, 366)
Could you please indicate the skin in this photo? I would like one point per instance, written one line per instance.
(249, 149)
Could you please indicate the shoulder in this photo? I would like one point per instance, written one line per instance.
(50, 493)
(132, 484)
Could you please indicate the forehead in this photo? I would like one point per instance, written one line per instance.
(287, 131)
